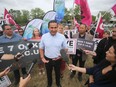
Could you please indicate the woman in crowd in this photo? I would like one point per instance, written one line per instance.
(104, 74)
(37, 37)
(63, 65)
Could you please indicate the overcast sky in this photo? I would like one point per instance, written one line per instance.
(47, 5)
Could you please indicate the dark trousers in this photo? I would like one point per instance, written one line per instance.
(17, 74)
(78, 57)
(49, 67)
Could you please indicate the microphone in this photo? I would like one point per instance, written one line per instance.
(64, 56)
(20, 54)
(30, 68)
(32, 65)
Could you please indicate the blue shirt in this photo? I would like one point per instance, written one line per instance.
(52, 44)
(5, 39)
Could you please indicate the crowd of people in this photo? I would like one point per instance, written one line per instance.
(102, 74)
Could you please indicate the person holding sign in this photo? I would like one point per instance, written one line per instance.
(103, 46)
(80, 55)
(104, 74)
(10, 36)
(50, 45)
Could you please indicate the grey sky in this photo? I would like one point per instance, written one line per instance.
(47, 5)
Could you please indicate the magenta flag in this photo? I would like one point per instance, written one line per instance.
(100, 27)
(76, 23)
(86, 17)
(77, 2)
(114, 9)
(9, 19)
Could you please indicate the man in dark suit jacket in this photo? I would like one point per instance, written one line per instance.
(79, 54)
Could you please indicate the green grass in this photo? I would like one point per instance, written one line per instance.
(41, 80)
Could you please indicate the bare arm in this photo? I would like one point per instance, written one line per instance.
(79, 69)
(24, 82)
(42, 56)
(90, 52)
(7, 57)
(5, 72)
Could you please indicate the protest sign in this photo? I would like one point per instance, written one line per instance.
(14, 47)
(71, 43)
(4, 81)
(85, 44)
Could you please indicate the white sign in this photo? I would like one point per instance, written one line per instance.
(74, 31)
(2, 21)
(70, 33)
(4, 81)
(71, 46)
(96, 40)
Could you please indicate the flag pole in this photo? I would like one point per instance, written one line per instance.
(98, 19)
(72, 15)
(108, 10)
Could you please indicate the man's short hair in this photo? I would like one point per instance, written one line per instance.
(108, 32)
(84, 25)
(3, 26)
(52, 21)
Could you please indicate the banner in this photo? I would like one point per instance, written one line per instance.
(96, 40)
(50, 15)
(114, 9)
(35, 23)
(14, 47)
(70, 33)
(9, 19)
(71, 43)
(59, 7)
(85, 44)
(100, 27)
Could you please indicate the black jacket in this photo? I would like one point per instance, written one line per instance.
(102, 47)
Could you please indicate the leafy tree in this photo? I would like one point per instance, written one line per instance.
(106, 15)
(37, 13)
(25, 16)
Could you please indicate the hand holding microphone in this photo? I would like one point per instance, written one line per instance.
(19, 55)
(64, 56)
(30, 68)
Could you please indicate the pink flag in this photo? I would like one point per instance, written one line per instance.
(100, 27)
(86, 17)
(9, 19)
(114, 9)
(77, 2)
(76, 23)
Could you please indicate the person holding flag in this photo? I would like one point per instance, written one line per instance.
(103, 46)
